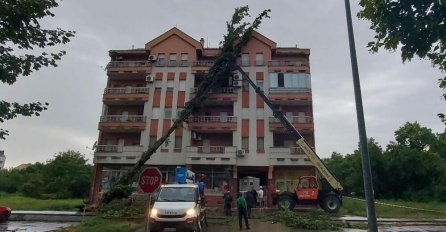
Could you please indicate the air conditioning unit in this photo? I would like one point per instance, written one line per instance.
(237, 83)
(150, 78)
(237, 77)
(152, 58)
(241, 153)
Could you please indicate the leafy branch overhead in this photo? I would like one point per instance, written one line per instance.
(238, 35)
(20, 33)
(417, 28)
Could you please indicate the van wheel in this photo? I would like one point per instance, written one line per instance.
(331, 204)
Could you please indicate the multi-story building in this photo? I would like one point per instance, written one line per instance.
(232, 136)
(2, 159)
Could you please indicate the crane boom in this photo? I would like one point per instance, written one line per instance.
(314, 158)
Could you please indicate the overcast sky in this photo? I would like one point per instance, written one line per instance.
(393, 93)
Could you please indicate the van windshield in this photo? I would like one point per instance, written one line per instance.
(177, 194)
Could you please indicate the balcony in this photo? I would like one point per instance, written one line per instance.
(201, 66)
(129, 66)
(220, 96)
(117, 154)
(122, 123)
(304, 124)
(211, 155)
(281, 156)
(126, 96)
(289, 65)
(213, 124)
(290, 96)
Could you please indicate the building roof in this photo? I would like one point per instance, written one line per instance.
(171, 32)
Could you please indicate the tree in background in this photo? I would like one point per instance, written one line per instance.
(20, 33)
(417, 27)
(411, 168)
(65, 176)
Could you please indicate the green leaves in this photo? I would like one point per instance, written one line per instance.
(411, 168)
(19, 26)
(417, 27)
(65, 176)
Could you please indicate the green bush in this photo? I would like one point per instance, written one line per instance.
(313, 220)
(118, 191)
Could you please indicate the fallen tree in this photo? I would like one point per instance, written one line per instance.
(238, 35)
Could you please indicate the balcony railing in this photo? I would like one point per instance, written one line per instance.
(203, 63)
(286, 63)
(217, 90)
(131, 90)
(128, 64)
(294, 119)
(109, 148)
(211, 149)
(213, 119)
(123, 118)
(289, 90)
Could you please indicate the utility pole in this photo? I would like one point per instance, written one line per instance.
(366, 172)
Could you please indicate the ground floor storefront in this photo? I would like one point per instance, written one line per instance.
(217, 179)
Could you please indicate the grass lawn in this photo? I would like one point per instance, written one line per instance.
(105, 225)
(18, 202)
(356, 207)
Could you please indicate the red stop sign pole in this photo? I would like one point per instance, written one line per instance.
(150, 180)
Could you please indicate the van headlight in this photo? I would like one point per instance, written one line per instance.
(190, 212)
(154, 212)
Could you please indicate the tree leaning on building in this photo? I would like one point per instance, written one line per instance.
(237, 36)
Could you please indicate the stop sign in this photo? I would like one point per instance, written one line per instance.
(150, 180)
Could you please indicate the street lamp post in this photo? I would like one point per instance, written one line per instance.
(366, 171)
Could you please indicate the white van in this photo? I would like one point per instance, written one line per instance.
(177, 208)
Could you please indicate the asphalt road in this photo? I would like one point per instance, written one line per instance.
(31, 226)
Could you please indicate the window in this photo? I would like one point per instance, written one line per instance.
(184, 59)
(259, 58)
(245, 143)
(179, 111)
(245, 85)
(280, 80)
(260, 84)
(245, 59)
(182, 86)
(167, 113)
(260, 144)
(152, 140)
(273, 80)
(178, 143)
(173, 59)
(156, 113)
(161, 60)
(217, 177)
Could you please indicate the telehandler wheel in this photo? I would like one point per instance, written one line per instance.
(331, 204)
(286, 202)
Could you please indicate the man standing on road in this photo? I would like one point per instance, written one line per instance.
(242, 210)
(227, 198)
(250, 202)
(260, 197)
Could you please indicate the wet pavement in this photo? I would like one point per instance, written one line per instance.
(31, 226)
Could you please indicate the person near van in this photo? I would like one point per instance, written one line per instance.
(251, 203)
(260, 196)
(227, 198)
(242, 210)
(254, 194)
